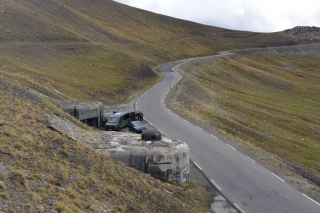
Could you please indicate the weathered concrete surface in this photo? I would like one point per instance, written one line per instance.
(166, 159)
(87, 112)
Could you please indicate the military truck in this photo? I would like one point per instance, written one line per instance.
(117, 121)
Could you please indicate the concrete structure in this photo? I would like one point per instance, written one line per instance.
(87, 112)
(166, 159)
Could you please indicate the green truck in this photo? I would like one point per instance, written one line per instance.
(117, 121)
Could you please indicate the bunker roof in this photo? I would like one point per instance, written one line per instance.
(81, 104)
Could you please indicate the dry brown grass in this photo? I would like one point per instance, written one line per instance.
(3, 185)
(10, 132)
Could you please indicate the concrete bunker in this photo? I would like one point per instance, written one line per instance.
(89, 113)
(163, 158)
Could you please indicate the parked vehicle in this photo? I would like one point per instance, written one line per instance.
(117, 121)
(137, 126)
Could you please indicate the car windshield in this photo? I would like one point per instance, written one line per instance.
(136, 124)
(113, 119)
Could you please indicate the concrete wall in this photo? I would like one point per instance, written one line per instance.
(88, 112)
(165, 159)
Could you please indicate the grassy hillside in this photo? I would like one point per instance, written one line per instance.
(264, 98)
(83, 71)
(42, 170)
(104, 50)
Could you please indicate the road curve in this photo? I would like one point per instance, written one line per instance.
(245, 183)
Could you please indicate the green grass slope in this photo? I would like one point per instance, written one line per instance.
(81, 46)
(264, 98)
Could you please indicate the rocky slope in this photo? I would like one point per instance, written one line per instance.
(303, 34)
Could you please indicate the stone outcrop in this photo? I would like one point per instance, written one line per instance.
(304, 34)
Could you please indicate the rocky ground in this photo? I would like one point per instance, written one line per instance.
(304, 34)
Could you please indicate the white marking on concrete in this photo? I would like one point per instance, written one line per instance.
(213, 136)
(311, 199)
(278, 177)
(197, 166)
(199, 128)
(251, 159)
(150, 124)
(239, 208)
(231, 147)
(177, 115)
(216, 185)
(187, 121)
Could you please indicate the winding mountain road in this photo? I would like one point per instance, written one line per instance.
(245, 183)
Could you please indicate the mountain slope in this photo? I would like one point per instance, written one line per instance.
(72, 42)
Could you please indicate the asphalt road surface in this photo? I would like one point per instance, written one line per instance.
(245, 183)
